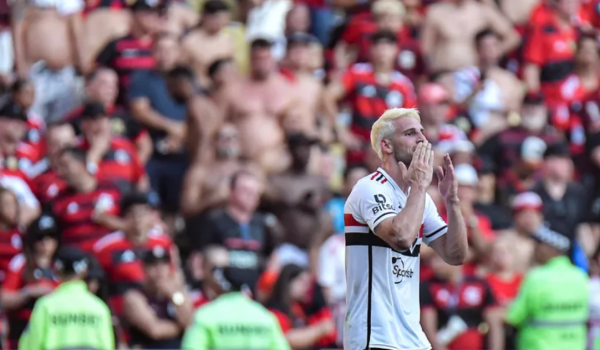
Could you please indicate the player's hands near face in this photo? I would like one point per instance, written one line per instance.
(420, 171)
(447, 182)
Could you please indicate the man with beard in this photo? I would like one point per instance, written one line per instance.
(387, 217)
(207, 187)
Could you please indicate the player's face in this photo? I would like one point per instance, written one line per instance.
(409, 133)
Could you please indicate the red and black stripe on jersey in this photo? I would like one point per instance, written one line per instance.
(120, 259)
(74, 212)
(126, 55)
(120, 164)
(19, 276)
(11, 244)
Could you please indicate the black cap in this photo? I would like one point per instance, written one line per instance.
(44, 226)
(13, 111)
(155, 255)
(93, 110)
(70, 260)
(534, 98)
(232, 279)
(300, 38)
(300, 139)
(546, 235)
(147, 5)
(384, 36)
(560, 149)
(139, 198)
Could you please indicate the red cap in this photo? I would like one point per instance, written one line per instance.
(433, 93)
(527, 201)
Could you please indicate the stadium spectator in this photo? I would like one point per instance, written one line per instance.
(161, 310)
(221, 73)
(164, 117)
(10, 231)
(18, 156)
(210, 31)
(22, 92)
(460, 312)
(296, 197)
(527, 217)
(86, 210)
(119, 253)
(30, 275)
(304, 318)
(261, 134)
(102, 86)
(502, 277)
(133, 52)
(248, 236)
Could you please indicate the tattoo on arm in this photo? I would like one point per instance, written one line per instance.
(17, 10)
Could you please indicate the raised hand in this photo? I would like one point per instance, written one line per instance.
(447, 183)
(420, 171)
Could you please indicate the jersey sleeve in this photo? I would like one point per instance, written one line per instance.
(35, 333)
(518, 312)
(196, 336)
(374, 204)
(434, 226)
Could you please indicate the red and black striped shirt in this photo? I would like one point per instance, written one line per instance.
(75, 212)
(126, 55)
(10, 245)
(120, 165)
(120, 259)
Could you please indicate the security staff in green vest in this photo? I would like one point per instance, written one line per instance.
(551, 310)
(70, 317)
(233, 321)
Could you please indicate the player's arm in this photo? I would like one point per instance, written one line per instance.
(35, 333)
(196, 336)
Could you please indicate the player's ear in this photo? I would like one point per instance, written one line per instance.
(386, 147)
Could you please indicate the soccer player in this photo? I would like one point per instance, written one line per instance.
(387, 216)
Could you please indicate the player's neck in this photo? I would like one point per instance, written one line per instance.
(390, 165)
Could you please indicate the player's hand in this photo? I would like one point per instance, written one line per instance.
(420, 171)
(447, 182)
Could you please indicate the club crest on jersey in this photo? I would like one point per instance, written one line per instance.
(399, 271)
(382, 204)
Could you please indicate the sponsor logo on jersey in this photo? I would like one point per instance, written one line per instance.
(382, 204)
(399, 271)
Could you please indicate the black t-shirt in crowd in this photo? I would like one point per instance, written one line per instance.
(248, 245)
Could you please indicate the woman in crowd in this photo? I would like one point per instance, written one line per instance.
(298, 303)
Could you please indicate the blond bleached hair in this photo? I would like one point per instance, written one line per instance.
(384, 126)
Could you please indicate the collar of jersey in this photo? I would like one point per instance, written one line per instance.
(559, 261)
(73, 286)
(390, 180)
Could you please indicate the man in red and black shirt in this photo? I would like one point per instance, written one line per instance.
(549, 51)
(458, 311)
(102, 86)
(17, 155)
(119, 253)
(134, 51)
(386, 15)
(10, 233)
(109, 157)
(29, 276)
(371, 88)
(86, 210)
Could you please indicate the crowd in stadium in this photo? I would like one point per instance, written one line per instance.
(216, 133)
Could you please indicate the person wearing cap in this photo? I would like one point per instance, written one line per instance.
(159, 311)
(16, 154)
(109, 157)
(210, 32)
(71, 316)
(29, 276)
(551, 309)
(233, 321)
(133, 52)
(368, 97)
(119, 253)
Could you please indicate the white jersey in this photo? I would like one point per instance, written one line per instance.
(383, 284)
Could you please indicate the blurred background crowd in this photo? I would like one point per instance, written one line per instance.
(229, 133)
